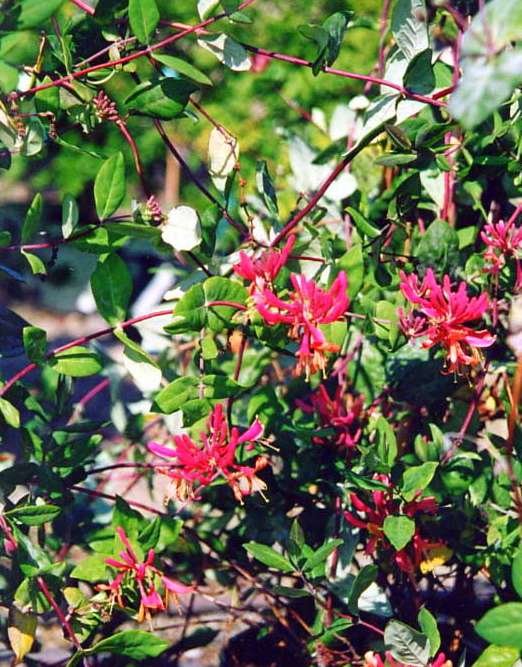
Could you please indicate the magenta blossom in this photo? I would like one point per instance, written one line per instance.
(145, 576)
(372, 659)
(197, 466)
(308, 308)
(504, 242)
(440, 314)
(343, 413)
(262, 271)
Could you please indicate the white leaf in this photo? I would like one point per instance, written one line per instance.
(432, 180)
(227, 51)
(223, 153)
(146, 376)
(182, 230)
(206, 7)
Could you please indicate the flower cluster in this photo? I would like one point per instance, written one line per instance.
(504, 242)
(418, 554)
(262, 271)
(144, 576)
(372, 659)
(440, 315)
(343, 412)
(197, 466)
(309, 307)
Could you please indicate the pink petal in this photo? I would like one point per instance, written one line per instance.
(160, 450)
(177, 587)
(253, 433)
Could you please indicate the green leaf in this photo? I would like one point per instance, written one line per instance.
(399, 530)
(111, 285)
(135, 644)
(34, 515)
(497, 656)
(428, 625)
(35, 344)
(149, 536)
(417, 479)
(32, 219)
(365, 577)
(124, 516)
(409, 27)
(92, 568)
(209, 348)
(70, 215)
(33, 13)
(296, 539)
(109, 186)
(353, 263)
(35, 263)
(386, 442)
(143, 18)
(406, 644)
(289, 592)
(363, 226)
(439, 247)
(227, 51)
(502, 625)
(328, 38)
(183, 67)
(192, 312)
(175, 395)
(9, 413)
(165, 98)
(265, 187)
(321, 554)
(516, 573)
(268, 556)
(77, 361)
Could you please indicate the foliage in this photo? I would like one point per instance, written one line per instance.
(324, 384)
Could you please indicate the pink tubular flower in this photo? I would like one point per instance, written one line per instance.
(198, 466)
(440, 314)
(309, 307)
(343, 412)
(372, 659)
(262, 272)
(145, 576)
(384, 505)
(503, 241)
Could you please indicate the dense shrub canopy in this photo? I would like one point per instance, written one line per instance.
(261, 349)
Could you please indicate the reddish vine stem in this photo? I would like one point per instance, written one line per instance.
(109, 496)
(81, 341)
(110, 64)
(84, 6)
(122, 127)
(61, 616)
(192, 176)
(312, 203)
(93, 392)
(293, 60)
(232, 304)
(513, 420)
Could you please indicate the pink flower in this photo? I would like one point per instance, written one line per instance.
(440, 314)
(372, 659)
(197, 466)
(308, 308)
(262, 272)
(384, 505)
(503, 241)
(343, 413)
(145, 576)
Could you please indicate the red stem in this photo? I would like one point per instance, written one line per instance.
(81, 341)
(135, 154)
(109, 496)
(312, 203)
(347, 75)
(126, 59)
(188, 171)
(93, 392)
(84, 6)
(61, 616)
(232, 304)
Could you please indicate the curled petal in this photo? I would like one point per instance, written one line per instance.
(177, 587)
(160, 450)
(253, 433)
